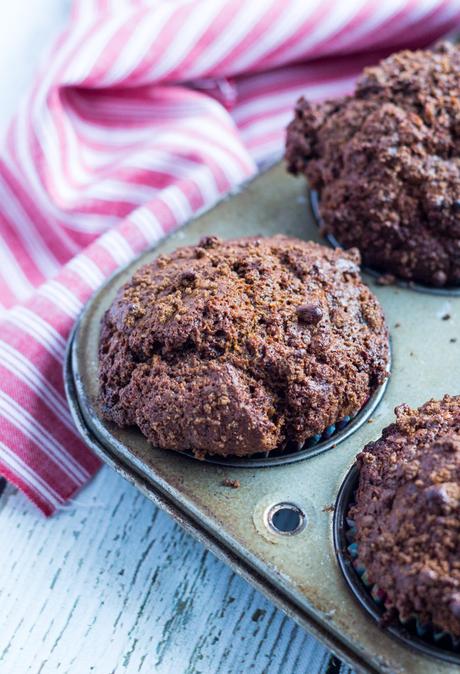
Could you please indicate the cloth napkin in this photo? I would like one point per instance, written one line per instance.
(145, 112)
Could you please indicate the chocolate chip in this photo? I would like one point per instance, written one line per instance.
(209, 241)
(187, 278)
(439, 278)
(309, 313)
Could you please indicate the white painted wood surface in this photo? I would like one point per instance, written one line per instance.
(111, 584)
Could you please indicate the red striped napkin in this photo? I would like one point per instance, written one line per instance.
(145, 112)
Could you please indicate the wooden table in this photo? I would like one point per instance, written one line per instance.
(112, 584)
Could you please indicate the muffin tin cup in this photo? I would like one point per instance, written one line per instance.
(422, 638)
(419, 287)
(329, 439)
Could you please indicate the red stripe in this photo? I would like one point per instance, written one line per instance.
(34, 495)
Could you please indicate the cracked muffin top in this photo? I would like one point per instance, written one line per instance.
(407, 513)
(386, 164)
(239, 347)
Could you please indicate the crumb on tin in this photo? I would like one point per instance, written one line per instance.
(233, 484)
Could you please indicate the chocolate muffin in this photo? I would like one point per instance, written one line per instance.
(240, 347)
(407, 515)
(386, 164)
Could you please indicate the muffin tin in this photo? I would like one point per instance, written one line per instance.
(274, 524)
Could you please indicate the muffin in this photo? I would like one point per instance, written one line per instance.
(406, 516)
(240, 347)
(386, 164)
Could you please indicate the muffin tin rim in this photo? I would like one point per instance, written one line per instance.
(357, 587)
(449, 291)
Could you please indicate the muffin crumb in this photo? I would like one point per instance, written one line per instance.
(234, 484)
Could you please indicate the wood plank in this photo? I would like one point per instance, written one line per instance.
(112, 584)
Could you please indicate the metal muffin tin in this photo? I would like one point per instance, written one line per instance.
(299, 570)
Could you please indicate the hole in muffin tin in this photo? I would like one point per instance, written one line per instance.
(286, 519)
(437, 645)
(452, 291)
(312, 447)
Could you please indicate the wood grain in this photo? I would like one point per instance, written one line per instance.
(112, 584)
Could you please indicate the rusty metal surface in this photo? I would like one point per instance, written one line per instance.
(300, 572)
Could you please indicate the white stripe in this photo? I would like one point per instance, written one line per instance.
(21, 367)
(177, 203)
(147, 223)
(12, 273)
(283, 28)
(137, 45)
(92, 47)
(87, 222)
(31, 239)
(243, 113)
(34, 480)
(238, 28)
(34, 430)
(323, 31)
(115, 190)
(117, 247)
(37, 109)
(189, 35)
(62, 297)
(40, 330)
(32, 183)
(381, 12)
(88, 270)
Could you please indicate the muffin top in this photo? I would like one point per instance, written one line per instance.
(239, 347)
(386, 164)
(407, 513)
